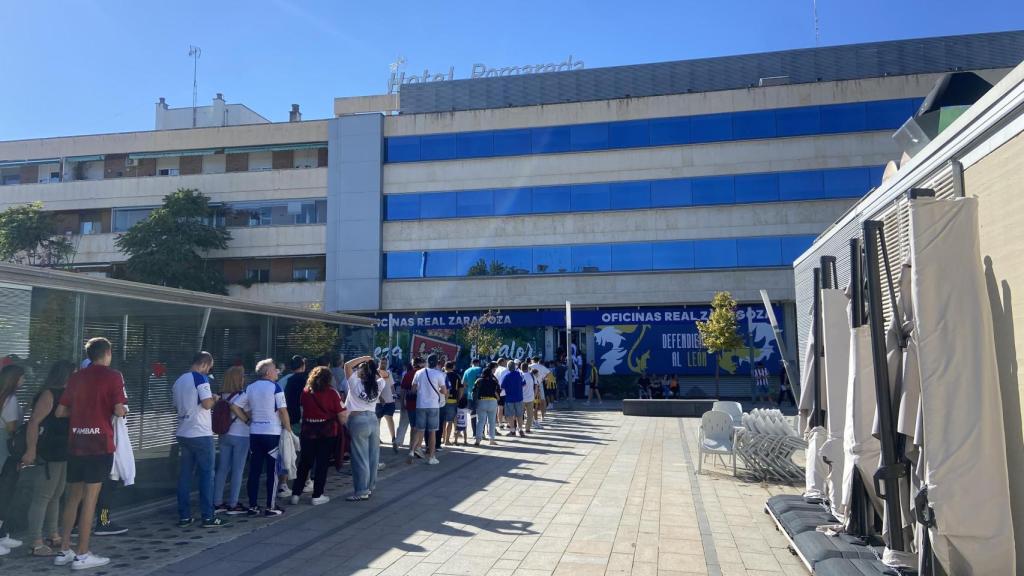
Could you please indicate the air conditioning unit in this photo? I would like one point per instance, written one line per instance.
(131, 162)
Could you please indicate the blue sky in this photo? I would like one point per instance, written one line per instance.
(84, 67)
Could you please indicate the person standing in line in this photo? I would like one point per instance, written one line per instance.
(386, 406)
(499, 374)
(292, 384)
(487, 392)
(264, 406)
(234, 446)
(550, 388)
(11, 378)
(193, 401)
(469, 378)
(451, 404)
(321, 420)
(105, 525)
(541, 395)
(428, 383)
(594, 380)
(407, 402)
(529, 397)
(338, 379)
(760, 374)
(784, 389)
(44, 464)
(512, 384)
(365, 385)
(92, 397)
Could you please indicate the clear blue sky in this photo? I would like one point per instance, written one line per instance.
(94, 66)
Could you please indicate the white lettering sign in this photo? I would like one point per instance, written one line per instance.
(399, 79)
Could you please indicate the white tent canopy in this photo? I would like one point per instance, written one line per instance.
(836, 339)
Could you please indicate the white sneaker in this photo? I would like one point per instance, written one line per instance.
(321, 500)
(284, 493)
(4, 551)
(294, 499)
(10, 543)
(381, 465)
(64, 558)
(89, 560)
(309, 485)
(433, 461)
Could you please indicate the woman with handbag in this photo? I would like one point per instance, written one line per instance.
(44, 465)
(321, 419)
(364, 390)
(234, 446)
(11, 378)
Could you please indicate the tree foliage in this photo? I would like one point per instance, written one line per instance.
(312, 338)
(483, 341)
(720, 332)
(27, 237)
(169, 247)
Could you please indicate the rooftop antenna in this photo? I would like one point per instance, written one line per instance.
(817, 32)
(398, 64)
(194, 52)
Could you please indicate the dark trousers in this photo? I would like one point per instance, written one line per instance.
(8, 481)
(314, 455)
(786, 393)
(260, 447)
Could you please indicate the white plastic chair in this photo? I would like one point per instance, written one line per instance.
(733, 409)
(715, 438)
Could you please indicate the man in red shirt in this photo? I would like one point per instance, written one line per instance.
(407, 398)
(92, 397)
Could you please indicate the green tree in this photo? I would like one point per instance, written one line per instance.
(27, 237)
(483, 341)
(720, 333)
(169, 246)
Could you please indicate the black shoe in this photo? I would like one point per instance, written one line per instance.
(186, 522)
(220, 509)
(214, 522)
(272, 511)
(109, 529)
(522, 434)
(237, 510)
(253, 511)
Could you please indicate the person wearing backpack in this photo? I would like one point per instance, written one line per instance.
(11, 378)
(234, 443)
(44, 464)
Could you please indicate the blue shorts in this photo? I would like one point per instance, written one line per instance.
(449, 412)
(427, 419)
(513, 409)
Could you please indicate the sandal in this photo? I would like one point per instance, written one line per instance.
(54, 542)
(42, 551)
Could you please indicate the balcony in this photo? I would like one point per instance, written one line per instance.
(298, 294)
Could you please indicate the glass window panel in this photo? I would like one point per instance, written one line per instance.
(800, 185)
(589, 137)
(403, 149)
(717, 253)
(711, 128)
(475, 262)
(592, 258)
(629, 195)
(589, 197)
(793, 247)
(474, 144)
(755, 124)
(885, 114)
(441, 263)
(438, 205)
(757, 188)
(552, 259)
(550, 140)
(876, 173)
(403, 264)
(672, 255)
(712, 190)
(512, 142)
(510, 201)
(669, 131)
(676, 192)
(437, 147)
(837, 118)
(797, 121)
(847, 182)
(633, 134)
(126, 218)
(512, 261)
(632, 256)
(475, 203)
(547, 199)
(755, 252)
(402, 206)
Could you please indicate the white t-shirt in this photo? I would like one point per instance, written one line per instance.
(528, 395)
(499, 375)
(262, 400)
(190, 389)
(9, 412)
(358, 400)
(542, 371)
(238, 427)
(426, 396)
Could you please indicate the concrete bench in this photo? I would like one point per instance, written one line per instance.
(674, 408)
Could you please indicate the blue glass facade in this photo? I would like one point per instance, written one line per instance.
(703, 254)
(777, 123)
(636, 195)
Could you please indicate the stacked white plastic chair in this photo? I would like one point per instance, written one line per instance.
(716, 438)
(766, 445)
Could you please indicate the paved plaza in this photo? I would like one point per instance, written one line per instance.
(595, 492)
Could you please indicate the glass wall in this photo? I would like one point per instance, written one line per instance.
(244, 214)
(757, 252)
(637, 195)
(757, 124)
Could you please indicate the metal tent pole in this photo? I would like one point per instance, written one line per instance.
(815, 419)
(889, 474)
